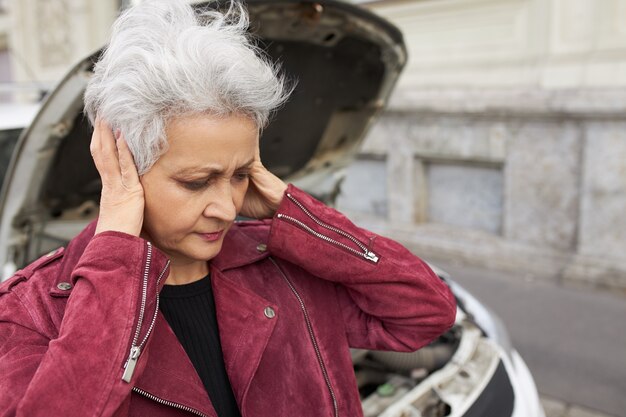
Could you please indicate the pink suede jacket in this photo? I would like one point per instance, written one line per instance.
(81, 333)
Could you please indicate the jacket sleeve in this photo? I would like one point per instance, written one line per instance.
(109, 311)
(389, 298)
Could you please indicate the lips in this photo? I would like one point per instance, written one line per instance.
(211, 237)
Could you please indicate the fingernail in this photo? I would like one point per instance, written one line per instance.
(117, 134)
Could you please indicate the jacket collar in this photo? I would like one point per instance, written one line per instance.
(238, 249)
(243, 244)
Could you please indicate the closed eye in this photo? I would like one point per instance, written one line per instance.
(194, 185)
(241, 175)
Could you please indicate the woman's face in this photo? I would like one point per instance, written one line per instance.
(195, 190)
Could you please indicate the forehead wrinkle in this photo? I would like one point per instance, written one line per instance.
(210, 170)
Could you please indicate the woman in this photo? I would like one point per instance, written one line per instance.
(166, 306)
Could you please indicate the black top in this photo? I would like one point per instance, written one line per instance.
(190, 311)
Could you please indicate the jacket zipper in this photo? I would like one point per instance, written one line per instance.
(168, 403)
(307, 320)
(364, 252)
(135, 350)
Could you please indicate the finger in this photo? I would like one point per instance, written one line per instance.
(128, 169)
(108, 147)
(104, 152)
(95, 146)
(257, 153)
(262, 176)
(267, 185)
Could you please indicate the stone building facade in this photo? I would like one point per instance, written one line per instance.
(504, 144)
(42, 39)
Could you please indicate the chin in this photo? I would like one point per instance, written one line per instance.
(207, 255)
(192, 249)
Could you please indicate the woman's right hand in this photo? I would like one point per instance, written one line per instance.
(122, 198)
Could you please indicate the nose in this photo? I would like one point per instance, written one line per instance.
(221, 203)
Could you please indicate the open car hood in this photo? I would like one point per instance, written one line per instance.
(344, 59)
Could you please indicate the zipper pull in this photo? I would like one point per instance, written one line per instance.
(371, 256)
(131, 362)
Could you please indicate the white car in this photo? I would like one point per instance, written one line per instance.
(346, 62)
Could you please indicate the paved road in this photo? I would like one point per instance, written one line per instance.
(573, 340)
(557, 408)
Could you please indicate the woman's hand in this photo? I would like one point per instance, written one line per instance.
(265, 192)
(122, 198)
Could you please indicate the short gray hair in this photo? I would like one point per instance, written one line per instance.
(167, 60)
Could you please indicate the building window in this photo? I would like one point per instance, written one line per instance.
(465, 195)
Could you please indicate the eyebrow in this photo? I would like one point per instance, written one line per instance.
(208, 170)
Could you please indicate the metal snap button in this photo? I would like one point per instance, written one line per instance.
(269, 312)
(64, 286)
(261, 247)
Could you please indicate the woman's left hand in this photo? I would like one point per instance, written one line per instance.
(265, 192)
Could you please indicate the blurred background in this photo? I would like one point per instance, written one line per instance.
(501, 157)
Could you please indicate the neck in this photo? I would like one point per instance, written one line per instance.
(182, 270)
(186, 272)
